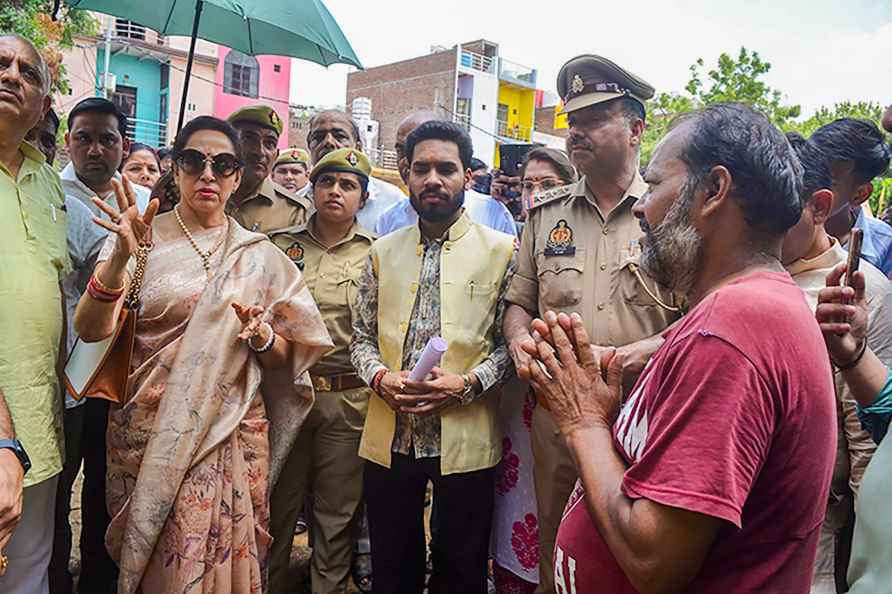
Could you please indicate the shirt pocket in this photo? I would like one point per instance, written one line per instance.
(636, 288)
(480, 289)
(561, 279)
(348, 285)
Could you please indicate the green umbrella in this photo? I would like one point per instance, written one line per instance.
(298, 28)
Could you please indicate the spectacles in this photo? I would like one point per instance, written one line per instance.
(543, 184)
(193, 162)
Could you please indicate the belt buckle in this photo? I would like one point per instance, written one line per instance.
(321, 384)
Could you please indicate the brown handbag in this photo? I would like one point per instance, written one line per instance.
(102, 369)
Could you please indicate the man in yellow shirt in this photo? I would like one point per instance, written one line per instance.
(445, 277)
(33, 261)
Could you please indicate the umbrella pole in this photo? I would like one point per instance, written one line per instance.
(199, 4)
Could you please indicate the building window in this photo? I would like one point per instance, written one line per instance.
(125, 28)
(241, 75)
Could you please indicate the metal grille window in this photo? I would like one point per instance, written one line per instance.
(241, 75)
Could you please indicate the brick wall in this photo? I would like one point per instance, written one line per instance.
(545, 122)
(398, 89)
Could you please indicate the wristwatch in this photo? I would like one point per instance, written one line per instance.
(16, 446)
(468, 390)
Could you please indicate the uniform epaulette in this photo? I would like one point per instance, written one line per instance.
(550, 196)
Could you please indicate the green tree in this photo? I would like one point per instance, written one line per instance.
(847, 109)
(32, 19)
(733, 79)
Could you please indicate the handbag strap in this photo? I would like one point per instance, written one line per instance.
(142, 254)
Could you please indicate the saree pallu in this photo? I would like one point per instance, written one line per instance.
(514, 541)
(193, 453)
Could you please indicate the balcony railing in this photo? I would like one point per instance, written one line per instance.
(148, 132)
(477, 61)
(129, 30)
(517, 73)
(515, 132)
(462, 120)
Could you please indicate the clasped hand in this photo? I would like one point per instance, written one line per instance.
(423, 397)
(582, 386)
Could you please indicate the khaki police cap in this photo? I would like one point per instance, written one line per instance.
(262, 115)
(589, 79)
(347, 160)
(293, 155)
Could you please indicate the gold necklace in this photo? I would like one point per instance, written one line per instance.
(205, 256)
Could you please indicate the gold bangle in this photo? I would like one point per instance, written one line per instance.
(103, 287)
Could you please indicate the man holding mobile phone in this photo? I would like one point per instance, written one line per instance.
(810, 254)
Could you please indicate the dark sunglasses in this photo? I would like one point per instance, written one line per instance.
(193, 162)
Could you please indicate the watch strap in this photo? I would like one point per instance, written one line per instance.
(16, 446)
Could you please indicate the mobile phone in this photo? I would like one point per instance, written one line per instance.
(511, 157)
(855, 241)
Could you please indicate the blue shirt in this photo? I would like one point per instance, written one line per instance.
(481, 209)
(877, 245)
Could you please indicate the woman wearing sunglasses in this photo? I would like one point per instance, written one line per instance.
(225, 333)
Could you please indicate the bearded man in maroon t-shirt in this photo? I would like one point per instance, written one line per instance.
(712, 475)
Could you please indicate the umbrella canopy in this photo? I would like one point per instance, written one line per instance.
(297, 28)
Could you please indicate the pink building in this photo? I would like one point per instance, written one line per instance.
(247, 80)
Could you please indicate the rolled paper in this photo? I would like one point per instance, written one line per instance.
(430, 358)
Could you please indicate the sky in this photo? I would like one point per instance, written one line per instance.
(821, 51)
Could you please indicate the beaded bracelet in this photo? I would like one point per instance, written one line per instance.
(267, 345)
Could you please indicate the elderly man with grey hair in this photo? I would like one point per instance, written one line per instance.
(33, 261)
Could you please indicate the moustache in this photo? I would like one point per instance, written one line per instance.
(574, 144)
(15, 92)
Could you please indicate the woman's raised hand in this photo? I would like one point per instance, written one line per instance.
(132, 228)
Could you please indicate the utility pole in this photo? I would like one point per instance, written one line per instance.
(105, 74)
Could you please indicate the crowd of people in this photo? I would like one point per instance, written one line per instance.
(657, 380)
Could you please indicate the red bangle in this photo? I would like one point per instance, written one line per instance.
(376, 381)
(100, 295)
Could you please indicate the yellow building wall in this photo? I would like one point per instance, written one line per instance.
(520, 100)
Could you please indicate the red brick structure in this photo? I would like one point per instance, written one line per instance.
(398, 89)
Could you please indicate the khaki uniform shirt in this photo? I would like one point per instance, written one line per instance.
(332, 274)
(573, 258)
(271, 209)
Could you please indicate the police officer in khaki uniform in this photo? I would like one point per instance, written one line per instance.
(332, 250)
(259, 204)
(292, 170)
(579, 253)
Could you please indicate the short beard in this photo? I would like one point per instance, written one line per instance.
(673, 251)
(438, 216)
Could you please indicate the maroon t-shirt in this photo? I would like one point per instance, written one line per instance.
(735, 418)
